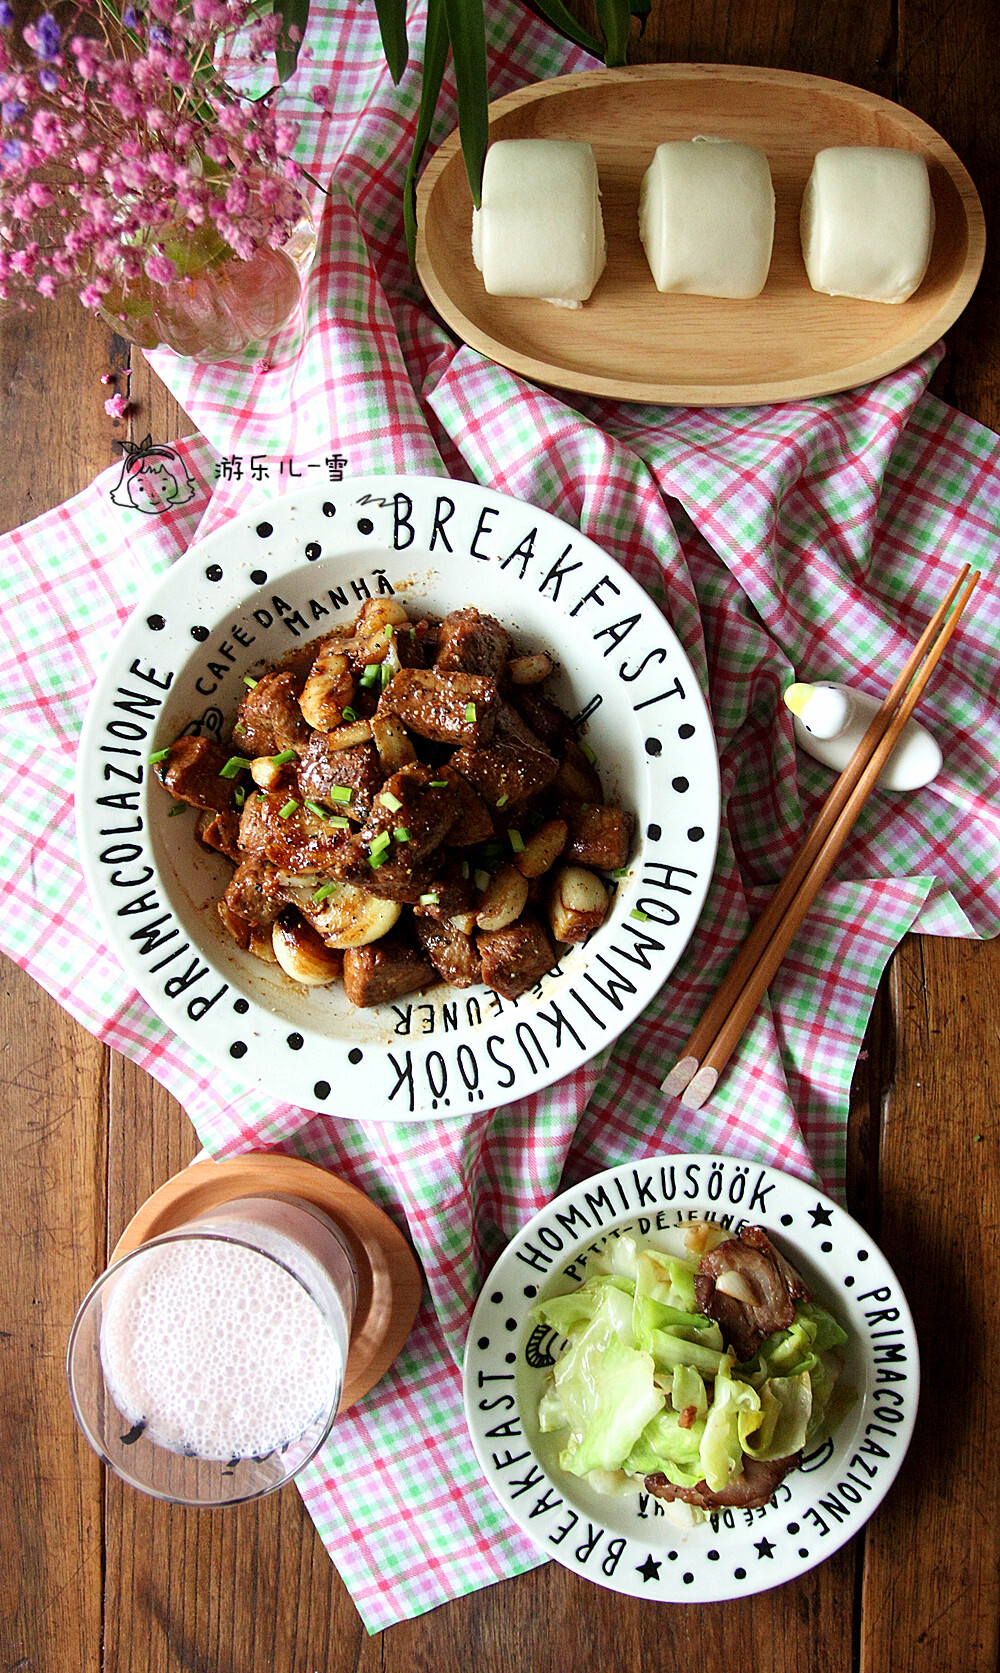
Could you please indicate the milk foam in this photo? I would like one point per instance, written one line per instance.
(217, 1350)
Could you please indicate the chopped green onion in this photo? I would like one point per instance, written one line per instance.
(470, 711)
(324, 890)
(380, 844)
(429, 900)
(390, 801)
(376, 860)
(482, 880)
(465, 870)
(239, 795)
(349, 713)
(338, 824)
(492, 849)
(177, 808)
(401, 834)
(341, 793)
(371, 673)
(621, 871)
(314, 807)
(386, 673)
(158, 755)
(643, 917)
(283, 759)
(588, 752)
(234, 766)
(516, 841)
(439, 784)
(503, 800)
(288, 809)
(248, 681)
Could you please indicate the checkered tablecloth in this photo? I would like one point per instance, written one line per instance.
(804, 541)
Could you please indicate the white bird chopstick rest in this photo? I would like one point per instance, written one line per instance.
(829, 721)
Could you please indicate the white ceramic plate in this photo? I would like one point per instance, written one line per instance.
(287, 571)
(628, 1544)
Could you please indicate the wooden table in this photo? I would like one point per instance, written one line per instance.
(97, 1577)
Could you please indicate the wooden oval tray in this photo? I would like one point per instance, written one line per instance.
(630, 342)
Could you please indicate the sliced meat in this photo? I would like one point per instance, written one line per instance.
(384, 971)
(744, 1285)
(323, 769)
(599, 836)
(270, 720)
(471, 643)
(515, 958)
(511, 768)
(750, 1491)
(453, 955)
(448, 708)
(220, 830)
(299, 842)
(253, 898)
(191, 774)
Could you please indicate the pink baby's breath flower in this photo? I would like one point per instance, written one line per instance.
(161, 269)
(116, 406)
(90, 296)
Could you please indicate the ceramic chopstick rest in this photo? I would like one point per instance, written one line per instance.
(867, 223)
(540, 232)
(830, 720)
(706, 217)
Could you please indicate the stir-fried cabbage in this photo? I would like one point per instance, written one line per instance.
(646, 1385)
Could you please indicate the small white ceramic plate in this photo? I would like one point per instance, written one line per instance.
(285, 572)
(628, 1544)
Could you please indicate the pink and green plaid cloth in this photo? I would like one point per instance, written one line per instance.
(806, 541)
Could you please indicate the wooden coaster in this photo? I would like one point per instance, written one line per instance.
(389, 1280)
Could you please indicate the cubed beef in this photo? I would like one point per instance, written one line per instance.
(448, 708)
(384, 971)
(253, 898)
(270, 720)
(417, 801)
(220, 830)
(470, 643)
(191, 774)
(450, 891)
(548, 723)
(301, 842)
(473, 822)
(323, 769)
(511, 768)
(577, 777)
(416, 645)
(453, 955)
(515, 958)
(599, 836)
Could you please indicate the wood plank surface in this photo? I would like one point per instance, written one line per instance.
(104, 1579)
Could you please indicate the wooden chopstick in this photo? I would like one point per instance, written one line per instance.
(709, 1047)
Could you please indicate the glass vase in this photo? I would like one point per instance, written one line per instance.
(218, 306)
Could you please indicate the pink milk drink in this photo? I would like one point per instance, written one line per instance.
(206, 1366)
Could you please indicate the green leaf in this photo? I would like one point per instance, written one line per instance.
(563, 20)
(615, 19)
(392, 27)
(294, 14)
(467, 30)
(435, 59)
